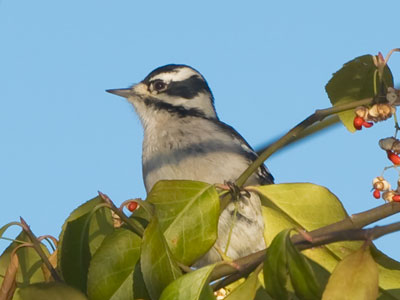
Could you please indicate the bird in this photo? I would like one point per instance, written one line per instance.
(184, 139)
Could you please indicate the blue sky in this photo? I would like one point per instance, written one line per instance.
(267, 62)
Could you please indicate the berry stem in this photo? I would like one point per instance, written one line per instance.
(293, 134)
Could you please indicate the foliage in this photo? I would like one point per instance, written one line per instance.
(314, 249)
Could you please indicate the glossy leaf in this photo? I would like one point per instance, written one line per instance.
(81, 235)
(354, 278)
(284, 261)
(303, 205)
(191, 286)
(29, 270)
(308, 206)
(188, 213)
(158, 266)
(355, 81)
(139, 287)
(246, 290)
(50, 291)
(275, 267)
(301, 274)
(389, 273)
(111, 268)
(263, 295)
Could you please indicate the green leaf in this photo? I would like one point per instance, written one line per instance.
(50, 291)
(139, 286)
(308, 206)
(263, 295)
(188, 213)
(283, 260)
(389, 273)
(111, 268)
(157, 264)
(275, 267)
(354, 278)
(301, 274)
(355, 81)
(248, 289)
(191, 286)
(302, 205)
(29, 270)
(81, 235)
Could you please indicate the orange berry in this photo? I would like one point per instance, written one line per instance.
(396, 198)
(358, 122)
(132, 206)
(395, 159)
(377, 194)
(367, 124)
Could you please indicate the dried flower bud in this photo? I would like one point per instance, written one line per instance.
(380, 112)
(388, 196)
(386, 186)
(387, 143)
(373, 111)
(381, 184)
(385, 111)
(377, 179)
(396, 146)
(220, 294)
(361, 112)
(378, 185)
(391, 95)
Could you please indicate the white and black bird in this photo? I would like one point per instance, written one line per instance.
(184, 139)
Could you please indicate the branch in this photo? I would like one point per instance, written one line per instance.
(348, 235)
(348, 229)
(355, 221)
(39, 250)
(327, 123)
(294, 133)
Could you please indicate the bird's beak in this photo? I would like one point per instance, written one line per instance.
(121, 92)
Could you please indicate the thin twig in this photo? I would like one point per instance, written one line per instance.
(293, 134)
(135, 228)
(349, 235)
(37, 246)
(224, 282)
(316, 128)
(355, 221)
(247, 264)
(51, 240)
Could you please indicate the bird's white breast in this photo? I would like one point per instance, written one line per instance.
(192, 149)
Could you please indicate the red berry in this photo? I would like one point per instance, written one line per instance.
(395, 159)
(358, 122)
(396, 198)
(377, 194)
(132, 206)
(367, 124)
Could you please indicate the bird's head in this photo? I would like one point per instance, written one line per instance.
(177, 90)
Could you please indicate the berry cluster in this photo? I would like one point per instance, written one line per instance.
(366, 116)
(381, 185)
(392, 147)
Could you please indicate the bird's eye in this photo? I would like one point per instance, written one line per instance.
(159, 85)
